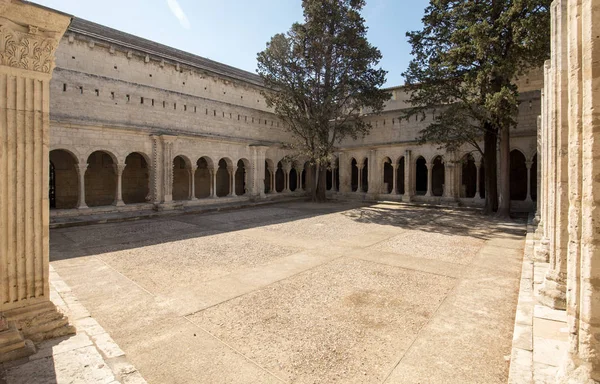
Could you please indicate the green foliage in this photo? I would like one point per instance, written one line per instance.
(466, 60)
(323, 75)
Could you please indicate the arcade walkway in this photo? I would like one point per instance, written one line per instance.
(303, 293)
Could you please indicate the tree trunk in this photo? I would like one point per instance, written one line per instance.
(322, 184)
(314, 182)
(504, 180)
(489, 163)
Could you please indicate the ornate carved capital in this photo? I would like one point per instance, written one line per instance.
(27, 48)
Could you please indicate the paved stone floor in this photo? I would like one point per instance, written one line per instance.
(303, 293)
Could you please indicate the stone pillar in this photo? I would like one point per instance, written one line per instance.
(257, 183)
(193, 182)
(231, 171)
(287, 167)
(345, 170)
(395, 179)
(553, 290)
(360, 177)
(29, 36)
(429, 179)
(542, 247)
(81, 168)
(409, 187)
(119, 168)
(528, 164)
(583, 283)
(538, 214)
(213, 183)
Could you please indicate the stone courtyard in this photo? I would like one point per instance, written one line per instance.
(301, 293)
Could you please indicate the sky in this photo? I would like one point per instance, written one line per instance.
(234, 31)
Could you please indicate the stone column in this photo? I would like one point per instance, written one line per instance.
(583, 284)
(409, 187)
(231, 171)
(81, 168)
(542, 247)
(257, 183)
(395, 179)
(538, 214)
(287, 167)
(119, 168)
(528, 164)
(429, 179)
(360, 178)
(213, 183)
(29, 36)
(553, 290)
(345, 171)
(193, 182)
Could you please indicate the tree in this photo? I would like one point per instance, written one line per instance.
(323, 77)
(466, 60)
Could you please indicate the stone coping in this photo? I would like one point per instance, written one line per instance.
(90, 356)
(540, 338)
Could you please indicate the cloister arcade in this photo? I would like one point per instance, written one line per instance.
(105, 180)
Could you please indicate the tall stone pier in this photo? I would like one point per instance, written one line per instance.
(29, 36)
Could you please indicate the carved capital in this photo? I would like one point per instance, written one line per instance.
(27, 47)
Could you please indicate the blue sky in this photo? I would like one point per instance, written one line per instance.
(233, 31)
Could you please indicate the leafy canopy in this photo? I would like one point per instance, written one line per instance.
(466, 60)
(323, 75)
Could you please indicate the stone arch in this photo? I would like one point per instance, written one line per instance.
(400, 175)
(203, 177)
(354, 175)
(279, 178)
(469, 176)
(135, 179)
(181, 178)
(241, 176)
(388, 175)
(438, 176)
(223, 177)
(100, 179)
(421, 176)
(518, 175)
(63, 190)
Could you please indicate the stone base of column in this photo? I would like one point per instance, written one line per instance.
(553, 292)
(168, 206)
(574, 371)
(40, 322)
(13, 345)
(542, 250)
(407, 198)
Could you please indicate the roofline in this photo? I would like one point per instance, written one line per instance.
(114, 36)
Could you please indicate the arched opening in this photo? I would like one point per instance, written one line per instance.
(135, 179)
(329, 178)
(400, 175)
(437, 177)
(267, 178)
(421, 177)
(181, 179)
(469, 177)
(293, 179)
(354, 177)
(100, 180)
(388, 175)
(534, 181)
(64, 181)
(279, 178)
(202, 178)
(240, 178)
(223, 181)
(365, 176)
(518, 176)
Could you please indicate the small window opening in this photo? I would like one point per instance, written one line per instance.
(97, 92)
(64, 87)
(115, 67)
(153, 102)
(164, 104)
(175, 106)
(128, 98)
(184, 107)
(112, 95)
(81, 90)
(141, 100)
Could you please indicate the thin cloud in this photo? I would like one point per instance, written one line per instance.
(179, 14)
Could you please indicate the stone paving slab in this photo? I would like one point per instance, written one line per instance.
(90, 356)
(328, 302)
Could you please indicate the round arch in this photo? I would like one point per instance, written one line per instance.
(63, 191)
(100, 179)
(136, 179)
